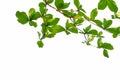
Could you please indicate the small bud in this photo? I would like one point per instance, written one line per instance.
(118, 15)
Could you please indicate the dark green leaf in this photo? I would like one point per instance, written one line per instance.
(44, 29)
(59, 4)
(73, 29)
(66, 5)
(93, 14)
(67, 32)
(77, 3)
(40, 44)
(94, 32)
(50, 1)
(113, 30)
(107, 46)
(107, 23)
(32, 23)
(102, 4)
(39, 34)
(22, 17)
(98, 22)
(112, 5)
(105, 53)
(35, 16)
(42, 7)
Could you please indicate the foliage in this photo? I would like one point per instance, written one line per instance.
(75, 18)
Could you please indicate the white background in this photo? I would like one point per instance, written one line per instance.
(62, 58)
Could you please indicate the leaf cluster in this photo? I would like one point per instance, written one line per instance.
(75, 19)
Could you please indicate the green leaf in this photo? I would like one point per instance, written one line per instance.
(77, 3)
(39, 34)
(77, 16)
(98, 22)
(99, 42)
(51, 35)
(105, 53)
(93, 14)
(87, 29)
(55, 21)
(48, 16)
(50, 1)
(32, 23)
(22, 17)
(40, 44)
(44, 29)
(67, 13)
(35, 16)
(79, 21)
(112, 5)
(42, 7)
(57, 29)
(115, 31)
(31, 12)
(73, 29)
(66, 5)
(67, 32)
(107, 23)
(107, 46)
(59, 4)
(94, 32)
(102, 4)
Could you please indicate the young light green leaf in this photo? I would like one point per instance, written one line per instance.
(40, 44)
(112, 5)
(77, 3)
(99, 42)
(31, 12)
(107, 46)
(22, 17)
(77, 16)
(93, 14)
(57, 29)
(102, 4)
(32, 23)
(105, 53)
